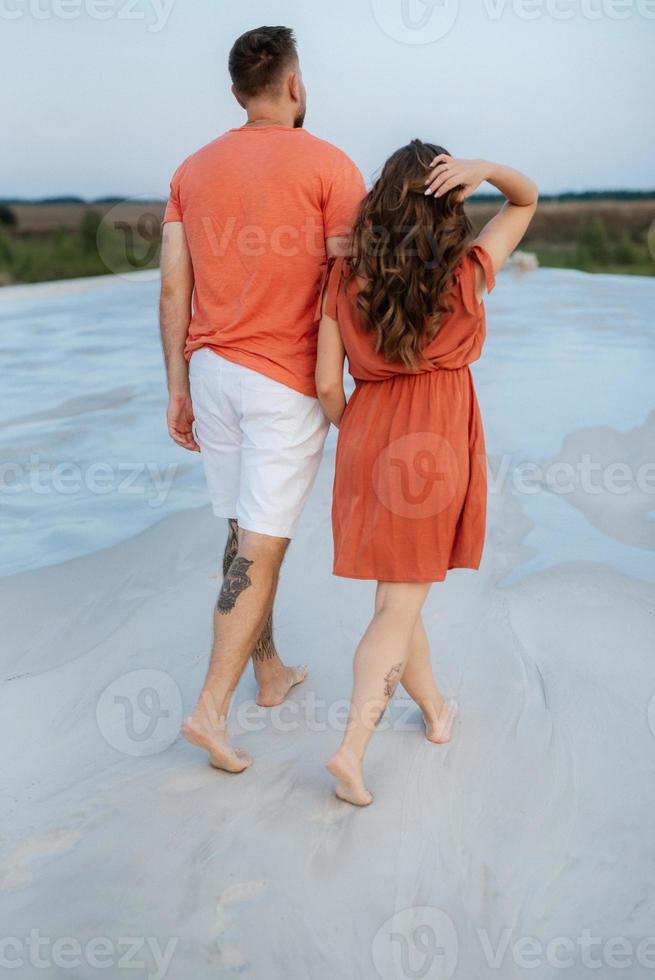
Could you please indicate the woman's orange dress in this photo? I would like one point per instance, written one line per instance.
(410, 487)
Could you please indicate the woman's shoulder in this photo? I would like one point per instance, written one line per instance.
(332, 275)
(474, 262)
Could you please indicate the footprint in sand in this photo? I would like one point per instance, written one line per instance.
(237, 894)
(187, 781)
(232, 959)
(13, 870)
(244, 891)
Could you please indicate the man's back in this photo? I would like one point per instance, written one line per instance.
(257, 206)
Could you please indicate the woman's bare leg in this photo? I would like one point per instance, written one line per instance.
(418, 680)
(379, 663)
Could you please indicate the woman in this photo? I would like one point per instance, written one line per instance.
(410, 481)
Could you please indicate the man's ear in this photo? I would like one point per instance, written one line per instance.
(294, 87)
(238, 98)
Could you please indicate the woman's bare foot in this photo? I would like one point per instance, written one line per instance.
(439, 730)
(274, 689)
(347, 770)
(197, 730)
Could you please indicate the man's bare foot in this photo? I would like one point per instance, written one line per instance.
(274, 689)
(347, 770)
(222, 755)
(440, 729)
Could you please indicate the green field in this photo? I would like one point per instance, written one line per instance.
(69, 239)
(42, 242)
(594, 235)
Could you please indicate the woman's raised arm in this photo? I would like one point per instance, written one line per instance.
(502, 234)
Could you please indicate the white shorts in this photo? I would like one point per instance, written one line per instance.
(261, 441)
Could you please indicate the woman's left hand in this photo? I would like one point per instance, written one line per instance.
(449, 172)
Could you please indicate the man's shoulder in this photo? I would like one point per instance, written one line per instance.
(207, 150)
(327, 151)
(322, 156)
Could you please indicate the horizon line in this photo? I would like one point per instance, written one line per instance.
(485, 196)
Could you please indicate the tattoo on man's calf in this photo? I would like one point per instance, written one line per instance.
(231, 547)
(236, 581)
(265, 649)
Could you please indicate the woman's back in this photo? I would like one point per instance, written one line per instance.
(458, 341)
(410, 487)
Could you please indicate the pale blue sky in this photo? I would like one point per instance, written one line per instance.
(110, 106)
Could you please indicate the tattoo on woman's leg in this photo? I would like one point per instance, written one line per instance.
(236, 581)
(391, 680)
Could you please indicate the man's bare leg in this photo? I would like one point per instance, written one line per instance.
(244, 604)
(274, 680)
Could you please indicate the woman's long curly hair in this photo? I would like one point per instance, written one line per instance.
(406, 247)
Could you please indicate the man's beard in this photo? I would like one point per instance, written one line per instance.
(299, 121)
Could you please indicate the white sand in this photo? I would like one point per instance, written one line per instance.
(536, 819)
(535, 823)
(73, 287)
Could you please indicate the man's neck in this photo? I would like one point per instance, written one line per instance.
(270, 116)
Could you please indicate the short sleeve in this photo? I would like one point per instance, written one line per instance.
(483, 258)
(173, 210)
(466, 276)
(329, 288)
(343, 196)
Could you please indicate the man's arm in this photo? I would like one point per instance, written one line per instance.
(346, 190)
(174, 318)
(338, 246)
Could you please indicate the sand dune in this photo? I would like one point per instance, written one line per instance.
(616, 488)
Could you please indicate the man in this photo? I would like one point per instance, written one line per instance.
(249, 223)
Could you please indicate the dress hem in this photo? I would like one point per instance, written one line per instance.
(404, 579)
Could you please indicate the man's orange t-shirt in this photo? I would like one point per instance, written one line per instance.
(257, 205)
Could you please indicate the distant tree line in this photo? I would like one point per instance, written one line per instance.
(578, 196)
(75, 200)
(609, 195)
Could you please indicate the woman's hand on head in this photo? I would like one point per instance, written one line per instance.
(450, 172)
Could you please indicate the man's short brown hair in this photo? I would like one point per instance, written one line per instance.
(259, 59)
